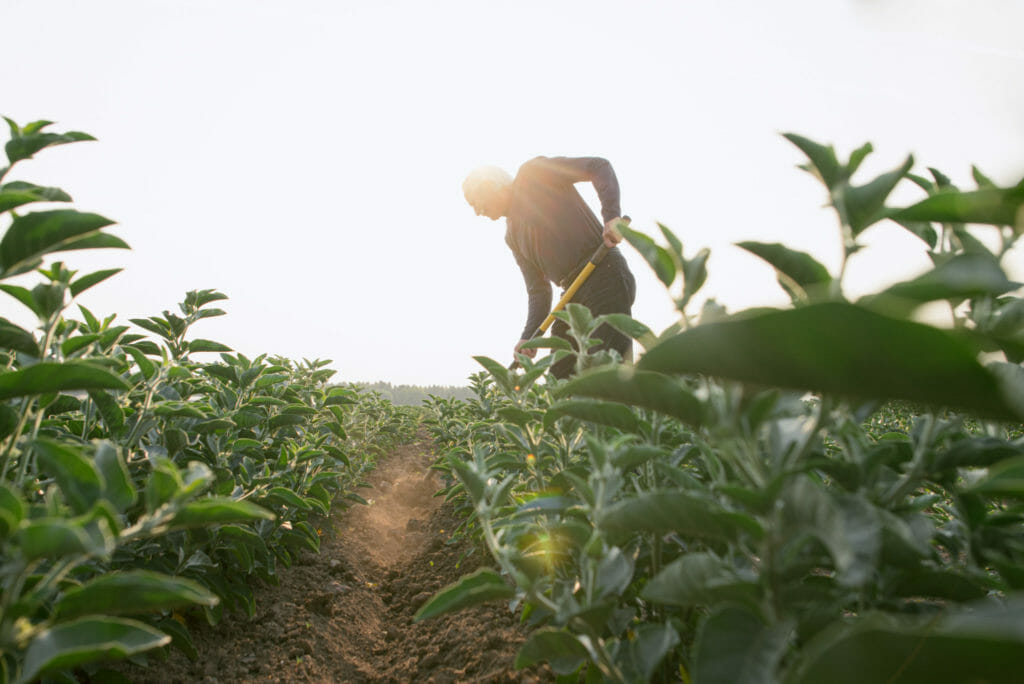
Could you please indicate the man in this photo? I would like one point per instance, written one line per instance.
(552, 234)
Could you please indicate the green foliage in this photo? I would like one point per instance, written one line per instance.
(828, 492)
(136, 479)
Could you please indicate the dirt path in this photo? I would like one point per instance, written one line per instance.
(345, 614)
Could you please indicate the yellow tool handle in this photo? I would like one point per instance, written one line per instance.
(576, 285)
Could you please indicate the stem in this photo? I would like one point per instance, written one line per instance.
(9, 450)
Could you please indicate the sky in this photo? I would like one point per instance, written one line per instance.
(305, 157)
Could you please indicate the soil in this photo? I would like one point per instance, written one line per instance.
(345, 614)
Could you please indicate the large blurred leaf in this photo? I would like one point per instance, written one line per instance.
(984, 646)
(87, 640)
(995, 206)
(33, 235)
(837, 348)
(135, 592)
(43, 378)
(641, 389)
(478, 587)
(734, 646)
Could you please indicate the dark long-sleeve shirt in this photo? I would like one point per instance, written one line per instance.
(550, 229)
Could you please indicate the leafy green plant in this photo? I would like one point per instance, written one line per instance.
(136, 480)
(753, 501)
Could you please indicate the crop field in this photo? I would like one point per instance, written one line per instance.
(826, 492)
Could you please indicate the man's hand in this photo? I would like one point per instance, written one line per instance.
(611, 234)
(526, 352)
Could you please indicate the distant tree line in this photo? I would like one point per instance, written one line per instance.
(413, 395)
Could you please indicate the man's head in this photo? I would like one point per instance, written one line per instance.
(487, 190)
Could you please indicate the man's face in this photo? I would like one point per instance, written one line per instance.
(485, 203)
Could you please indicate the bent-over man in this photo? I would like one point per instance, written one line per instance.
(553, 233)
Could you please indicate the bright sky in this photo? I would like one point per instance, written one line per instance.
(305, 157)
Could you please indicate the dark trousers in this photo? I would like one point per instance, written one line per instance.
(611, 288)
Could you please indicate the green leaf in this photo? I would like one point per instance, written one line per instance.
(77, 343)
(837, 348)
(23, 295)
(12, 510)
(700, 579)
(481, 586)
(85, 282)
(557, 647)
(207, 346)
(642, 655)
(658, 257)
(602, 412)
(865, 203)
(18, 339)
(502, 376)
(288, 498)
(146, 367)
(77, 477)
(43, 378)
(994, 206)
(792, 266)
(965, 276)
(134, 592)
(33, 139)
(734, 646)
(1005, 478)
(17, 193)
(215, 510)
(983, 645)
(824, 164)
(848, 526)
(71, 644)
(32, 236)
(57, 538)
(642, 389)
(117, 483)
(110, 410)
(156, 325)
(676, 511)
(630, 327)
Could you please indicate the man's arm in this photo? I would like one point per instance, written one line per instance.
(538, 290)
(594, 170)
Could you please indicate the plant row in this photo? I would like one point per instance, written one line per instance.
(137, 482)
(825, 492)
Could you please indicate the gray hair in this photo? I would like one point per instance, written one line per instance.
(485, 179)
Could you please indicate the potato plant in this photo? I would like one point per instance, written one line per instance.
(754, 500)
(135, 479)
